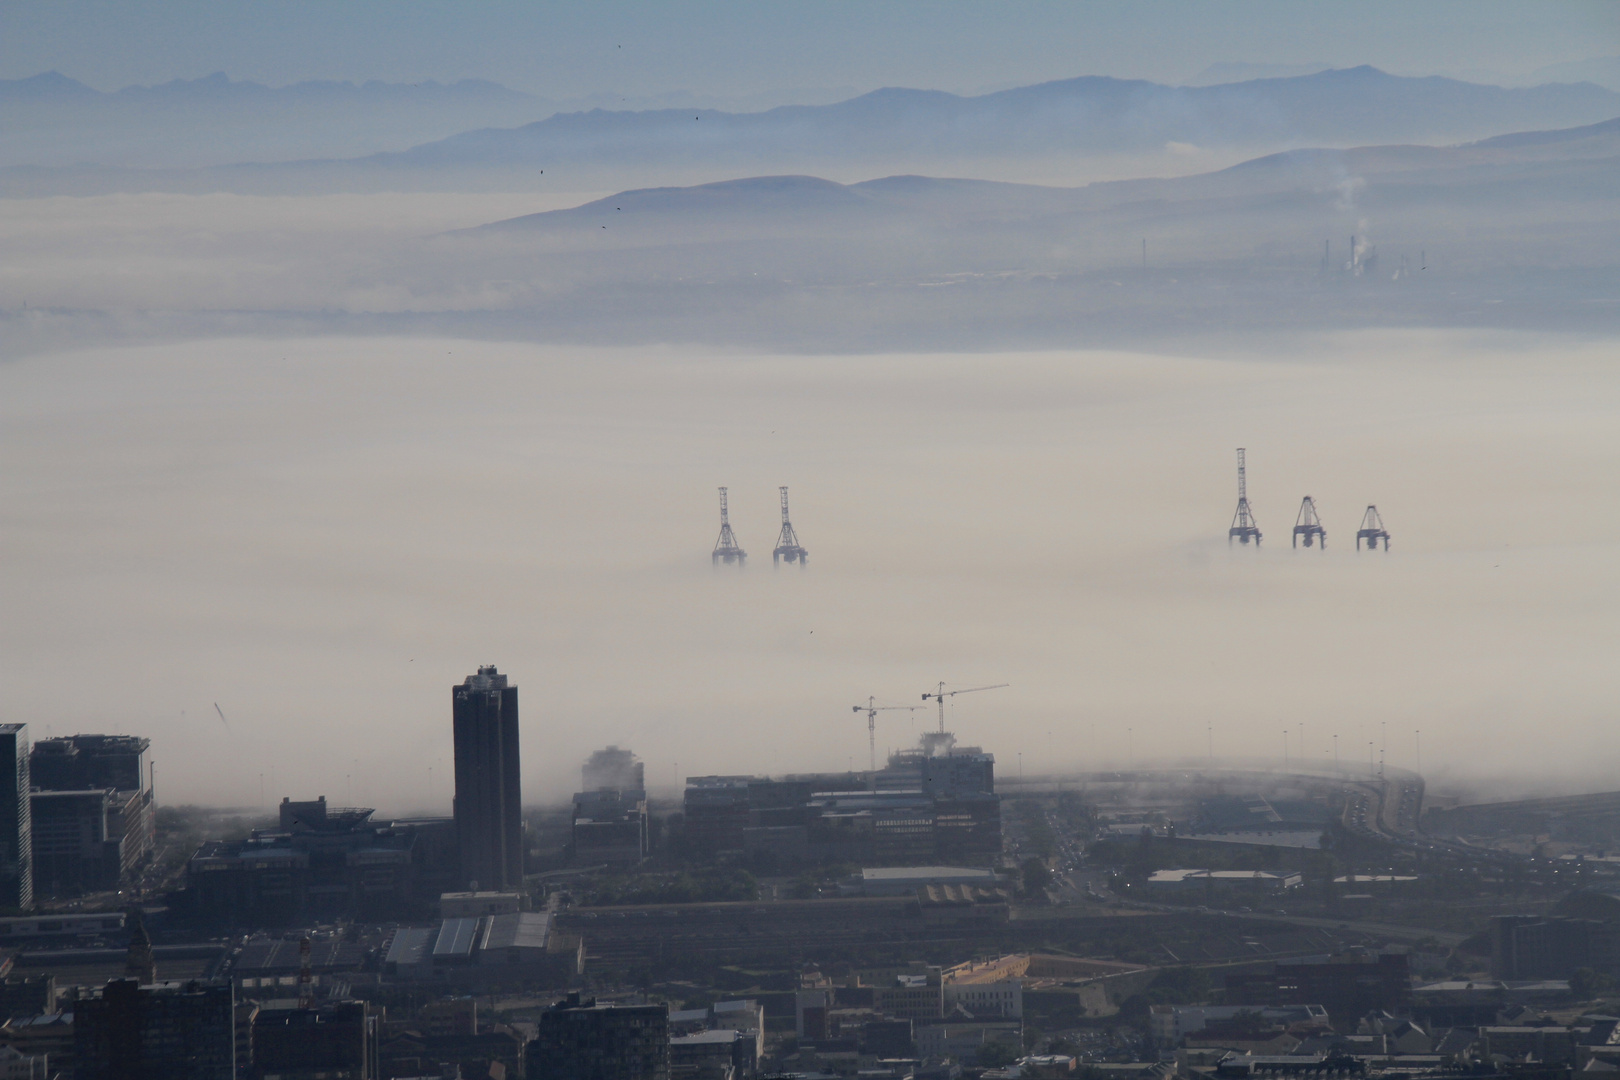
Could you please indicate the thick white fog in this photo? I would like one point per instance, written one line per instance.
(321, 535)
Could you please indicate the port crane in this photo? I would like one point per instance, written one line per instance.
(871, 709)
(726, 549)
(787, 543)
(1309, 525)
(940, 694)
(1372, 530)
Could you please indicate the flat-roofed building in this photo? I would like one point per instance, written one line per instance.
(179, 1031)
(981, 999)
(517, 938)
(901, 880)
(912, 997)
(334, 1041)
(582, 1040)
(88, 842)
(1224, 882)
(465, 905)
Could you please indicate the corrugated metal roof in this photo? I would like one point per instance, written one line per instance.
(411, 944)
(525, 930)
(935, 874)
(456, 938)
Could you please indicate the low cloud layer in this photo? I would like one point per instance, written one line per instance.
(322, 535)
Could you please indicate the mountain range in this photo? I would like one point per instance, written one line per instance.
(1090, 114)
(1069, 121)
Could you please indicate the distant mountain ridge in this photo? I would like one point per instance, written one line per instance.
(213, 134)
(1087, 114)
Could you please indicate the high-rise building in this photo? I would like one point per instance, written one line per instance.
(178, 1031)
(94, 823)
(581, 1040)
(16, 820)
(488, 805)
(78, 762)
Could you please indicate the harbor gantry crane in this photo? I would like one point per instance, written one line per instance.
(871, 709)
(940, 694)
(1372, 530)
(1309, 525)
(726, 549)
(1243, 527)
(787, 544)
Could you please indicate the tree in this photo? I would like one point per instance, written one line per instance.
(1036, 876)
(1586, 984)
(997, 1055)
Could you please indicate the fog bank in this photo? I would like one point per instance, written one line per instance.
(322, 535)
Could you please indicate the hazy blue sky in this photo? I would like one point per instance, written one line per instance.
(731, 48)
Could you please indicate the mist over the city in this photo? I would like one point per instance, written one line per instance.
(1032, 540)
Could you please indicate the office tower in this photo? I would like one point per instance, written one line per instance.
(16, 820)
(177, 1031)
(488, 806)
(93, 820)
(585, 1041)
(79, 762)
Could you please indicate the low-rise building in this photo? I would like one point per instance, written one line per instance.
(1168, 1025)
(1192, 882)
(334, 1041)
(1003, 999)
(471, 905)
(161, 1029)
(1349, 984)
(16, 1065)
(1551, 1045)
(49, 1036)
(723, 1047)
(610, 826)
(964, 1038)
(918, 996)
(492, 949)
(582, 1040)
(905, 880)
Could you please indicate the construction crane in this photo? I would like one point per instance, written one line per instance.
(726, 549)
(1372, 530)
(871, 709)
(941, 694)
(1309, 525)
(1243, 527)
(787, 545)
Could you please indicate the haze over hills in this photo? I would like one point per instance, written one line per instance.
(1517, 231)
(1062, 127)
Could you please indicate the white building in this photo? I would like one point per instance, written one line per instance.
(1003, 999)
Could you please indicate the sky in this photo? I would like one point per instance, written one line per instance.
(737, 49)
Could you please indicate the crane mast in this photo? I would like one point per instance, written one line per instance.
(787, 543)
(1244, 528)
(871, 709)
(726, 549)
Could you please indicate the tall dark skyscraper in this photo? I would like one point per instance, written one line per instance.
(489, 798)
(16, 820)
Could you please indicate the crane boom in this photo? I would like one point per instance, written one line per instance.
(941, 694)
